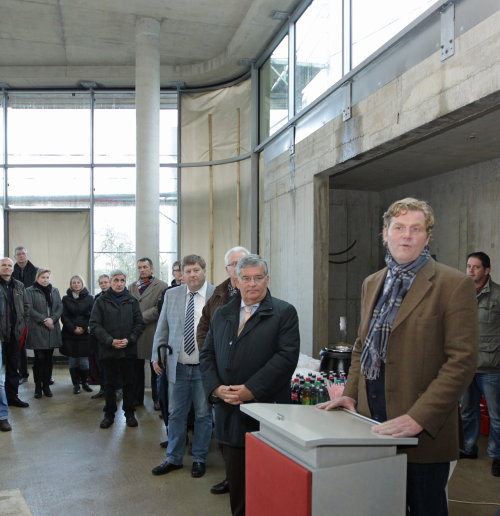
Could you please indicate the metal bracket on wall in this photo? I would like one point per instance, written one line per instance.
(346, 100)
(447, 11)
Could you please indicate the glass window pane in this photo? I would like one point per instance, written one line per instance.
(168, 221)
(168, 128)
(114, 182)
(114, 128)
(318, 54)
(375, 23)
(273, 86)
(47, 128)
(49, 187)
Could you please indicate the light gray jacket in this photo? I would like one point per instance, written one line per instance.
(170, 328)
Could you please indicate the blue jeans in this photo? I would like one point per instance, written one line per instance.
(80, 362)
(4, 408)
(187, 390)
(489, 386)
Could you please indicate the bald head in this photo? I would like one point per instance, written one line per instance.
(6, 268)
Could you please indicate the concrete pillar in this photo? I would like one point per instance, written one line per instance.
(147, 103)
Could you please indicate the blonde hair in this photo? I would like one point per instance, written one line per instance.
(407, 204)
(41, 271)
(77, 276)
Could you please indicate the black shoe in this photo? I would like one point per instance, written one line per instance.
(46, 390)
(52, 381)
(16, 402)
(106, 422)
(468, 455)
(131, 421)
(100, 394)
(220, 488)
(5, 425)
(76, 389)
(495, 468)
(165, 467)
(86, 387)
(164, 444)
(38, 391)
(198, 469)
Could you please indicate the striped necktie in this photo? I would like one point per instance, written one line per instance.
(248, 314)
(189, 325)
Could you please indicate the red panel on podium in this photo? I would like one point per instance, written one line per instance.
(275, 484)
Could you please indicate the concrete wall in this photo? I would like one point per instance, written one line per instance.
(295, 211)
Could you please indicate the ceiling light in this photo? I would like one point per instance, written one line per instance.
(89, 85)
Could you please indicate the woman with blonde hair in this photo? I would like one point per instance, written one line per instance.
(44, 331)
(76, 340)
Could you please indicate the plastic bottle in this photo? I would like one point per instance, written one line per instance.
(295, 392)
(307, 397)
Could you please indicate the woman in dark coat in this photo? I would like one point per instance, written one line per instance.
(116, 322)
(77, 305)
(44, 331)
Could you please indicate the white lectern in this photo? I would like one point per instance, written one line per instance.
(305, 461)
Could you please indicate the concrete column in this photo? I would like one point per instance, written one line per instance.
(147, 103)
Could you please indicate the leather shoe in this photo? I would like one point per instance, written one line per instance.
(5, 426)
(164, 444)
(100, 394)
(198, 469)
(220, 488)
(468, 455)
(106, 422)
(165, 467)
(495, 467)
(16, 402)
(131, 420)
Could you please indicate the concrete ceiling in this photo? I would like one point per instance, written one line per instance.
(58, 43)
(458, 144)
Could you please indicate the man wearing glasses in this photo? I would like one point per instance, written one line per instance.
(250, 353)
(177, 274)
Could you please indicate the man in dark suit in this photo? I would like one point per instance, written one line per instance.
(250, 353)
(415, 353)
(25, 272)
(181, 311)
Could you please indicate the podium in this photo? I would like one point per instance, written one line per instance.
(309, 462)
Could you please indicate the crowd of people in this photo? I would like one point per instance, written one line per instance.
(212, 348)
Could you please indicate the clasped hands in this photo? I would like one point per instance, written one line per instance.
(119, 343)
(402, 426)
(233, 394)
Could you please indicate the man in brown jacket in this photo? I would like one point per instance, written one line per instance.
(148, 290)
(222, 294)
(415, 353)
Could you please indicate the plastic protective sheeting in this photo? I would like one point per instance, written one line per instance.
(215, 199)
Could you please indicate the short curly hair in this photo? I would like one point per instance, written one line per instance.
(407, 204)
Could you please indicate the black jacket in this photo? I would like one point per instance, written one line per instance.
(27, 275)
(263, 358)
(21, 308)
(112, 320)
(76, 312)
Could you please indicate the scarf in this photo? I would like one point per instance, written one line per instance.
(47, 292)
(480, 288)
(401, 276)
(231, 290)
(143, 283)
(119, 297)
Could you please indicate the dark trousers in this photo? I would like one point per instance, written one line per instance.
(140, 380)
(42, 366)
(426, 489)
(234, 459)
(10, 352)
(118, 372)
(23, 363)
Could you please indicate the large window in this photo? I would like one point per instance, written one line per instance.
(318, 51)
(274, 91)
(77, 150)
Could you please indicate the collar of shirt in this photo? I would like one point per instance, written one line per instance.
(202, 292)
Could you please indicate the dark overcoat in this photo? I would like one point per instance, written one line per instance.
(263, 358)
(76, 312)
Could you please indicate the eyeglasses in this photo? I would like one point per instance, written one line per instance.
(248, 279)
(414, 230)
(176, 270)
(232, 264)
